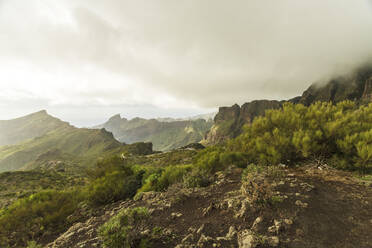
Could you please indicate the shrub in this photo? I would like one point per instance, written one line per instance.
(162, 179)
(252, 168)
(256, 186)
(33, 244)
(196, 178)
(117, 185)
(171, 175)
(43, 212)
(123, 230)
(342, 133)
(213, 159)
(106, 166)
(113, 179)
(210, 162)
(233, 158)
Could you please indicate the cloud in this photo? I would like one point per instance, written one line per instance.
(181, 53)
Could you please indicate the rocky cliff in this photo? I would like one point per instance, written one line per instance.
(229, 121)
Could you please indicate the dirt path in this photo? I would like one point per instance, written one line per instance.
(339, 212)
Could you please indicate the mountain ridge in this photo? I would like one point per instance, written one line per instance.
(27, 127)
(165, 135)
(70, 144)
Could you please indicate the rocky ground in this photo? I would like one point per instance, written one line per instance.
(312, 206)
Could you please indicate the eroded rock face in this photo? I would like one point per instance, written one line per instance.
(229, 121)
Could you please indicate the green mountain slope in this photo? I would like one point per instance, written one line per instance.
(164, 135)
(66, 144)
(28, 127)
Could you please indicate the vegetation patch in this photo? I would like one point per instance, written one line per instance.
(31, 217)
(341, 134)
(124, 230)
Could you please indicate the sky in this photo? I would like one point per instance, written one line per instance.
(86, 60)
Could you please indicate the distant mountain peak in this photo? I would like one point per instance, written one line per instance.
(42, 112)
(116, 117)
(27, 127)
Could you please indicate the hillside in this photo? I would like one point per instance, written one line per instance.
(63, 145)
(28, 127)
(229, 121)
(165, 135)
(19, 184)
(309, 207)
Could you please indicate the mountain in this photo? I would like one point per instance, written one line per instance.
(63, 145)
(229, 121)
(28, 127)
(355, 87)
(165, 135)
(207, 117)
(47, 142)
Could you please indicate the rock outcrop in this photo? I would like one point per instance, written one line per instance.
(229, 121)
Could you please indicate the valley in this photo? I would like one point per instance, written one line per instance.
(164, 134)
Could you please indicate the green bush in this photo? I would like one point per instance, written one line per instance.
(163, 178)
(233, 158)
(33, 244)
(46, 211)
(196, 178)
(117, 185)
(113, 179)
(252, 169)
(341, 133)
(122, 231)
(106, 166)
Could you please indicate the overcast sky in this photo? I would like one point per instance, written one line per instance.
(85, 60)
